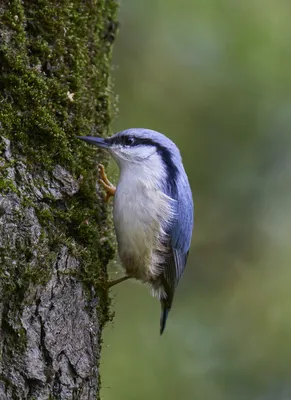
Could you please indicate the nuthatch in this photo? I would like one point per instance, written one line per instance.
(152, 209)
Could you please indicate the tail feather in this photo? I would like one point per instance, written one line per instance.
(164, 317)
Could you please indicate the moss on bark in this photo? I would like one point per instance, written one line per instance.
(54, 60)
(54, 85)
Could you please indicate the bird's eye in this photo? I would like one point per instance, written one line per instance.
(128, 141)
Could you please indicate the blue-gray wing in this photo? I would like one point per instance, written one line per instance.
(180, 237)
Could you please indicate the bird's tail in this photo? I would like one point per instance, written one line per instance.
(164, 317)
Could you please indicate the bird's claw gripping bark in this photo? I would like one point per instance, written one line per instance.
(116, 281)
(110, 189)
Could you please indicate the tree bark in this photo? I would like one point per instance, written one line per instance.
(55, 238)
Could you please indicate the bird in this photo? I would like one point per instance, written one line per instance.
(153, 210)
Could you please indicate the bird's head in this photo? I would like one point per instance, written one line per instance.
(136, 146)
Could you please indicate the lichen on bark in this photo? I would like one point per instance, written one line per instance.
(55, 234)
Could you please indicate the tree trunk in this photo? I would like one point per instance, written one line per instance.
(55, 241)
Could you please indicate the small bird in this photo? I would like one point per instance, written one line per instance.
(153, 210)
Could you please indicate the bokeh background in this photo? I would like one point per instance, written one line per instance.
(215, 76)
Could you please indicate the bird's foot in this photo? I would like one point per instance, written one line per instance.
(110, 189)
(116, 281)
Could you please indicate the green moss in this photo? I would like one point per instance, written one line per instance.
(55, 63)
(7, 185)
(54, 50)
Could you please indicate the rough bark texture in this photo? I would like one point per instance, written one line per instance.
(55, 241)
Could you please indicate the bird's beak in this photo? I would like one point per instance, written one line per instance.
(97, 141)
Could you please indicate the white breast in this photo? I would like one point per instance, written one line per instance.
(140, 210)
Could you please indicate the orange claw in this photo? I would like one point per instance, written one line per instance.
(110, 189)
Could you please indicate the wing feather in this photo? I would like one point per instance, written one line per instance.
(180, 233)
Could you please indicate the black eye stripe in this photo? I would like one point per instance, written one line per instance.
(126, 140)
(123, 140)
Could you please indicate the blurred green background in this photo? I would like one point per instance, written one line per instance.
(215, 76)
